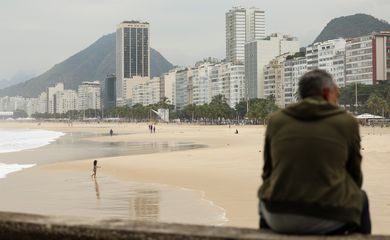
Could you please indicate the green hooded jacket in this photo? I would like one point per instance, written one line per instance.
(312, 162)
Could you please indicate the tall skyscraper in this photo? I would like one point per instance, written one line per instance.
(132, 52)
(242, 25)
(109, 92)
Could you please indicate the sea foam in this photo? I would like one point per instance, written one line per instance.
(21, 139)
(9, 168)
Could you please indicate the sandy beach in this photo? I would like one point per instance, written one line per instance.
(223, 169)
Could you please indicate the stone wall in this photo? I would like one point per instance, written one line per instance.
(28, 227)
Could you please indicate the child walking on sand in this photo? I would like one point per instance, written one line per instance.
(95, 167)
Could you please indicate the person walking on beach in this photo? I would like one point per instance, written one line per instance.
(154, 129)
(95, 167)
(312, 177)
(111, 132)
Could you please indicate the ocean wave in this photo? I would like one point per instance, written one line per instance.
(10, 168)
(21, 139)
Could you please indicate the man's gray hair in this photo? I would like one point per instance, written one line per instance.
(312, 83)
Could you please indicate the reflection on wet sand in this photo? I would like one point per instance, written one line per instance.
(144, 205)
(79, 195)
(97, 189)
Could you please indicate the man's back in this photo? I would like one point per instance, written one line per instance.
(312, 162)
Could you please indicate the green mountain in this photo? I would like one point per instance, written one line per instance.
(352, 26)
(92, 63)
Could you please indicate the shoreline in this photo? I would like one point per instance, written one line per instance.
(227, 171)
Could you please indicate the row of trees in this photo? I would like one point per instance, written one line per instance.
(360, 98)
(373, 99)
(219, 112)
(216, 112)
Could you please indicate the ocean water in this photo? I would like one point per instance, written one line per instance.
(14, 140)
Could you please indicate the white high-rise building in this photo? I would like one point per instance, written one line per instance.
(132, 53)
(128, 86)
(152, 87)
(367, 59)
(66, 100)
(328, 56)
(32, 105)
(42, 103)
(242, 25)
(294, 68)
(216, 79)
(274, 79)
(51, 99)
(168, 86)
(11, 104)
(200, 83)
(89, 94)
(312, 56)
(183, 88)
(258, 54)
(236, 84)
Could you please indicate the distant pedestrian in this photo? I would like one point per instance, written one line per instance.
(111, 132)
(236, 132)
(95, 167)
(154, 129)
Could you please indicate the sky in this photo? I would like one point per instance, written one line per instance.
(37, 34)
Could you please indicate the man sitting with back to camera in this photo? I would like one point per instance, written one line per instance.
(312, 174)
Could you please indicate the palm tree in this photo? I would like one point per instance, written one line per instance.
(377, 105)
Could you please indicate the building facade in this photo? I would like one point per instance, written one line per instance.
(42, 103)
(132, 52)
(183, 83)
(236, 84)
(51, 97)
(367, 59)
(66, 100)
(329, 56)
(274, 80)
(293, 69)
(242, 25)
(89, 95)
(168, 86)
(109, 92)
(258, 54)
(200, 83)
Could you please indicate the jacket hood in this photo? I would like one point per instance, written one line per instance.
(313, 108)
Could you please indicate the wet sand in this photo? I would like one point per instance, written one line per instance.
(227, 170)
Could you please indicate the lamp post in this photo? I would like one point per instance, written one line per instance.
(356, 103)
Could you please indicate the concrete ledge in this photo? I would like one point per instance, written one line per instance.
(27, 227)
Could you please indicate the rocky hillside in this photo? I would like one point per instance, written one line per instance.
(92, 63)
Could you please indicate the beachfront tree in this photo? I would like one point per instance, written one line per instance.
(189, 112)
(241, 108)
(377, 104)
(203, 112)
(219, 108)
(19, 113)
(361, 92)
(164, 103)
(261, 109)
